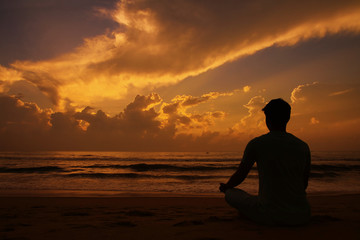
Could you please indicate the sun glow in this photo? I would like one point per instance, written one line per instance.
(201, 74)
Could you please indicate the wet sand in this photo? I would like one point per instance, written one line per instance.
(165, 217)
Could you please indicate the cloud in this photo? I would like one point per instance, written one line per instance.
(318, 99)
(254, 122)
(159, 43)
(13, 110)
(246, 89)
(339, 118)
(254, 107)
(314, 121)
(7, 77)
(148, 123)
(28, 92)
(297, 95)
(321, 97)
(176, 113)
(24, 126)
(340, 92)
(143, 102)
(188, 101)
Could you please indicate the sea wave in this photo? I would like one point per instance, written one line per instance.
(115, 159)
(337, 167)
(316, 175)
(143, 167)
(136, 175)
(323, 175)
(45, 169)
(158, 167)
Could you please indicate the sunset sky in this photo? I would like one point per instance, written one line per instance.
(179, 75)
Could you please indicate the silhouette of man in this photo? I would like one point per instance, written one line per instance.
(283, 163)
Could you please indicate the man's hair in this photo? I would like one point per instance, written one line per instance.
(277, 111)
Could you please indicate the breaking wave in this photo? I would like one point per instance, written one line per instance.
(136, 175)
(143, 167)
(45, 169)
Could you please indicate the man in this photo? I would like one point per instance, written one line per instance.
(283, 163)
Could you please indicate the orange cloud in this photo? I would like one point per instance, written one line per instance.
(24, 126)
(340, 92)
(254, 122)
(322, 97)
(297, 94)
(338, 114)
(175, 113)
(314, 121)
(150, 124)
(246, 89)
(161, 43)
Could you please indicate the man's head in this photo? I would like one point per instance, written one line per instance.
(277, 113)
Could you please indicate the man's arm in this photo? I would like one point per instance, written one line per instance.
(242, 172)
(307, 169)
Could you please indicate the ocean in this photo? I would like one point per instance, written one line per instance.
(158, 172)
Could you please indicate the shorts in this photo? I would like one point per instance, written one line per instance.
(247, 205)
(250, 206)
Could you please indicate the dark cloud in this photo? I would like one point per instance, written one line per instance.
(46, 83)
(28, 92)
(24, 126)
(41, 29)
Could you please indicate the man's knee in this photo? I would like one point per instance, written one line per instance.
(234, 196)
(229, 195)
(239, 199)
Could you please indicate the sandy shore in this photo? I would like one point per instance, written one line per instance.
(165, 217)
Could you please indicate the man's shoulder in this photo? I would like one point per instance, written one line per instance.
(269, 137)
(298, 140)
(257, 139)
(260, 138)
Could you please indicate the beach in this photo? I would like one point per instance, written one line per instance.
(163, 216)
(129, 195)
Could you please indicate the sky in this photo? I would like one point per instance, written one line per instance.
(180, 75)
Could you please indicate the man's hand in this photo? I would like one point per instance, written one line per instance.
(223, 187)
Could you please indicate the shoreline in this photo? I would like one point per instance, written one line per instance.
(119, 194)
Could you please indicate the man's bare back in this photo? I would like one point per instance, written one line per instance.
(283, 163)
